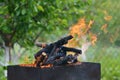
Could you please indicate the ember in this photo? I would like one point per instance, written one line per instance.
(34, 65)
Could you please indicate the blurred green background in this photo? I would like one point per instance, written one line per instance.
(24, 22)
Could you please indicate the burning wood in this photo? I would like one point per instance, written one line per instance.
(55, 54)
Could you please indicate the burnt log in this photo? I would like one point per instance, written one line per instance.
(82, 71)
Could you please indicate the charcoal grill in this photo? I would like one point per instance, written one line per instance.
(81, 71)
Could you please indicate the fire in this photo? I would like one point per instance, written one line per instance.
(93, 39)
(46, 66)
(28, 65)
(34, 65)
(80, 30)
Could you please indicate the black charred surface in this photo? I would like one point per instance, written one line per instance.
(83, 71)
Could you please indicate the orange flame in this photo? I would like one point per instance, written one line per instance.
(47, 66)
(28, 65)
(34, 65)
(80, 29)
(93, 39)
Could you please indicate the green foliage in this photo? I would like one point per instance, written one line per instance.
(28, 56)
(24, 21)
(117, 43)
(16, 19)
(108, 57)
(99, 11)
(2, 77)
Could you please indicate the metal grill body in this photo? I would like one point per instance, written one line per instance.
(83, 71)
